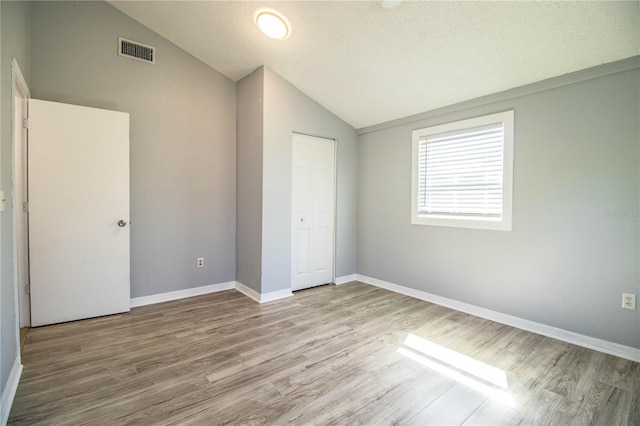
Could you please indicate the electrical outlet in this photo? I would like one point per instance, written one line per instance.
(629, 301)
(200, 262)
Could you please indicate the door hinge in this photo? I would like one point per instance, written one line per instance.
(25, 123)
(25, 207)
(27, 289)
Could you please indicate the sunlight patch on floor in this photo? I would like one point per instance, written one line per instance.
(477, 375)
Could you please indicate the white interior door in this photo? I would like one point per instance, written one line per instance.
(313, 213)
(78, 193)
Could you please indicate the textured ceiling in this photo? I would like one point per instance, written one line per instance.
(369, 65)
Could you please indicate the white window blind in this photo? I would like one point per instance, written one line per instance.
(460, 172)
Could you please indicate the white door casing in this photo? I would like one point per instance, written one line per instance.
(313, 211)
(78, 192)
(21, 95)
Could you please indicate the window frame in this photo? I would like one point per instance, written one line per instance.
(504, 223)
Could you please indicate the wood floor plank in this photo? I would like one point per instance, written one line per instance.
(330, 355)
(605, 405)
(494, 413)
(399, 400)
(452, 407)
(634, 408)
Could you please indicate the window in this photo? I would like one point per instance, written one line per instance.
(462, 173)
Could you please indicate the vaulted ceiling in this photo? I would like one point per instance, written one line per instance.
(369, 64)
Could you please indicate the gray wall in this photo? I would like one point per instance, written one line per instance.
(566, 262)
(183, 151)
(288, 110)
(249, 130)
(15, 27)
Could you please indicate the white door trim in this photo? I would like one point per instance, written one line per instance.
(335, 210)
(19, 90)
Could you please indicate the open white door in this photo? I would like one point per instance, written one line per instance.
(313, 211)
(78, 212)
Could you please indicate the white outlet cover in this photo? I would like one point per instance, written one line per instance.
(626, 297)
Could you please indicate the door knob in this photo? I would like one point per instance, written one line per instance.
(122, 223)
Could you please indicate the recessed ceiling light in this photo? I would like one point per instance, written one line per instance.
(390, 4)
(272, 25)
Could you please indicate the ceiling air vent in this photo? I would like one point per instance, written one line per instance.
(135, 50)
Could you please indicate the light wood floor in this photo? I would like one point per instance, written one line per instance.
(24, 331)
(347, 354)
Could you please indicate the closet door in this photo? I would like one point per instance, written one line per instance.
(313, 211)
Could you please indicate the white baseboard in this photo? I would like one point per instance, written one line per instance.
(10, 391)
(275, 295)
(249, 292)
(345, 279)
(181, 294)
(262, 297)
(214, 288)
(611, 348)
